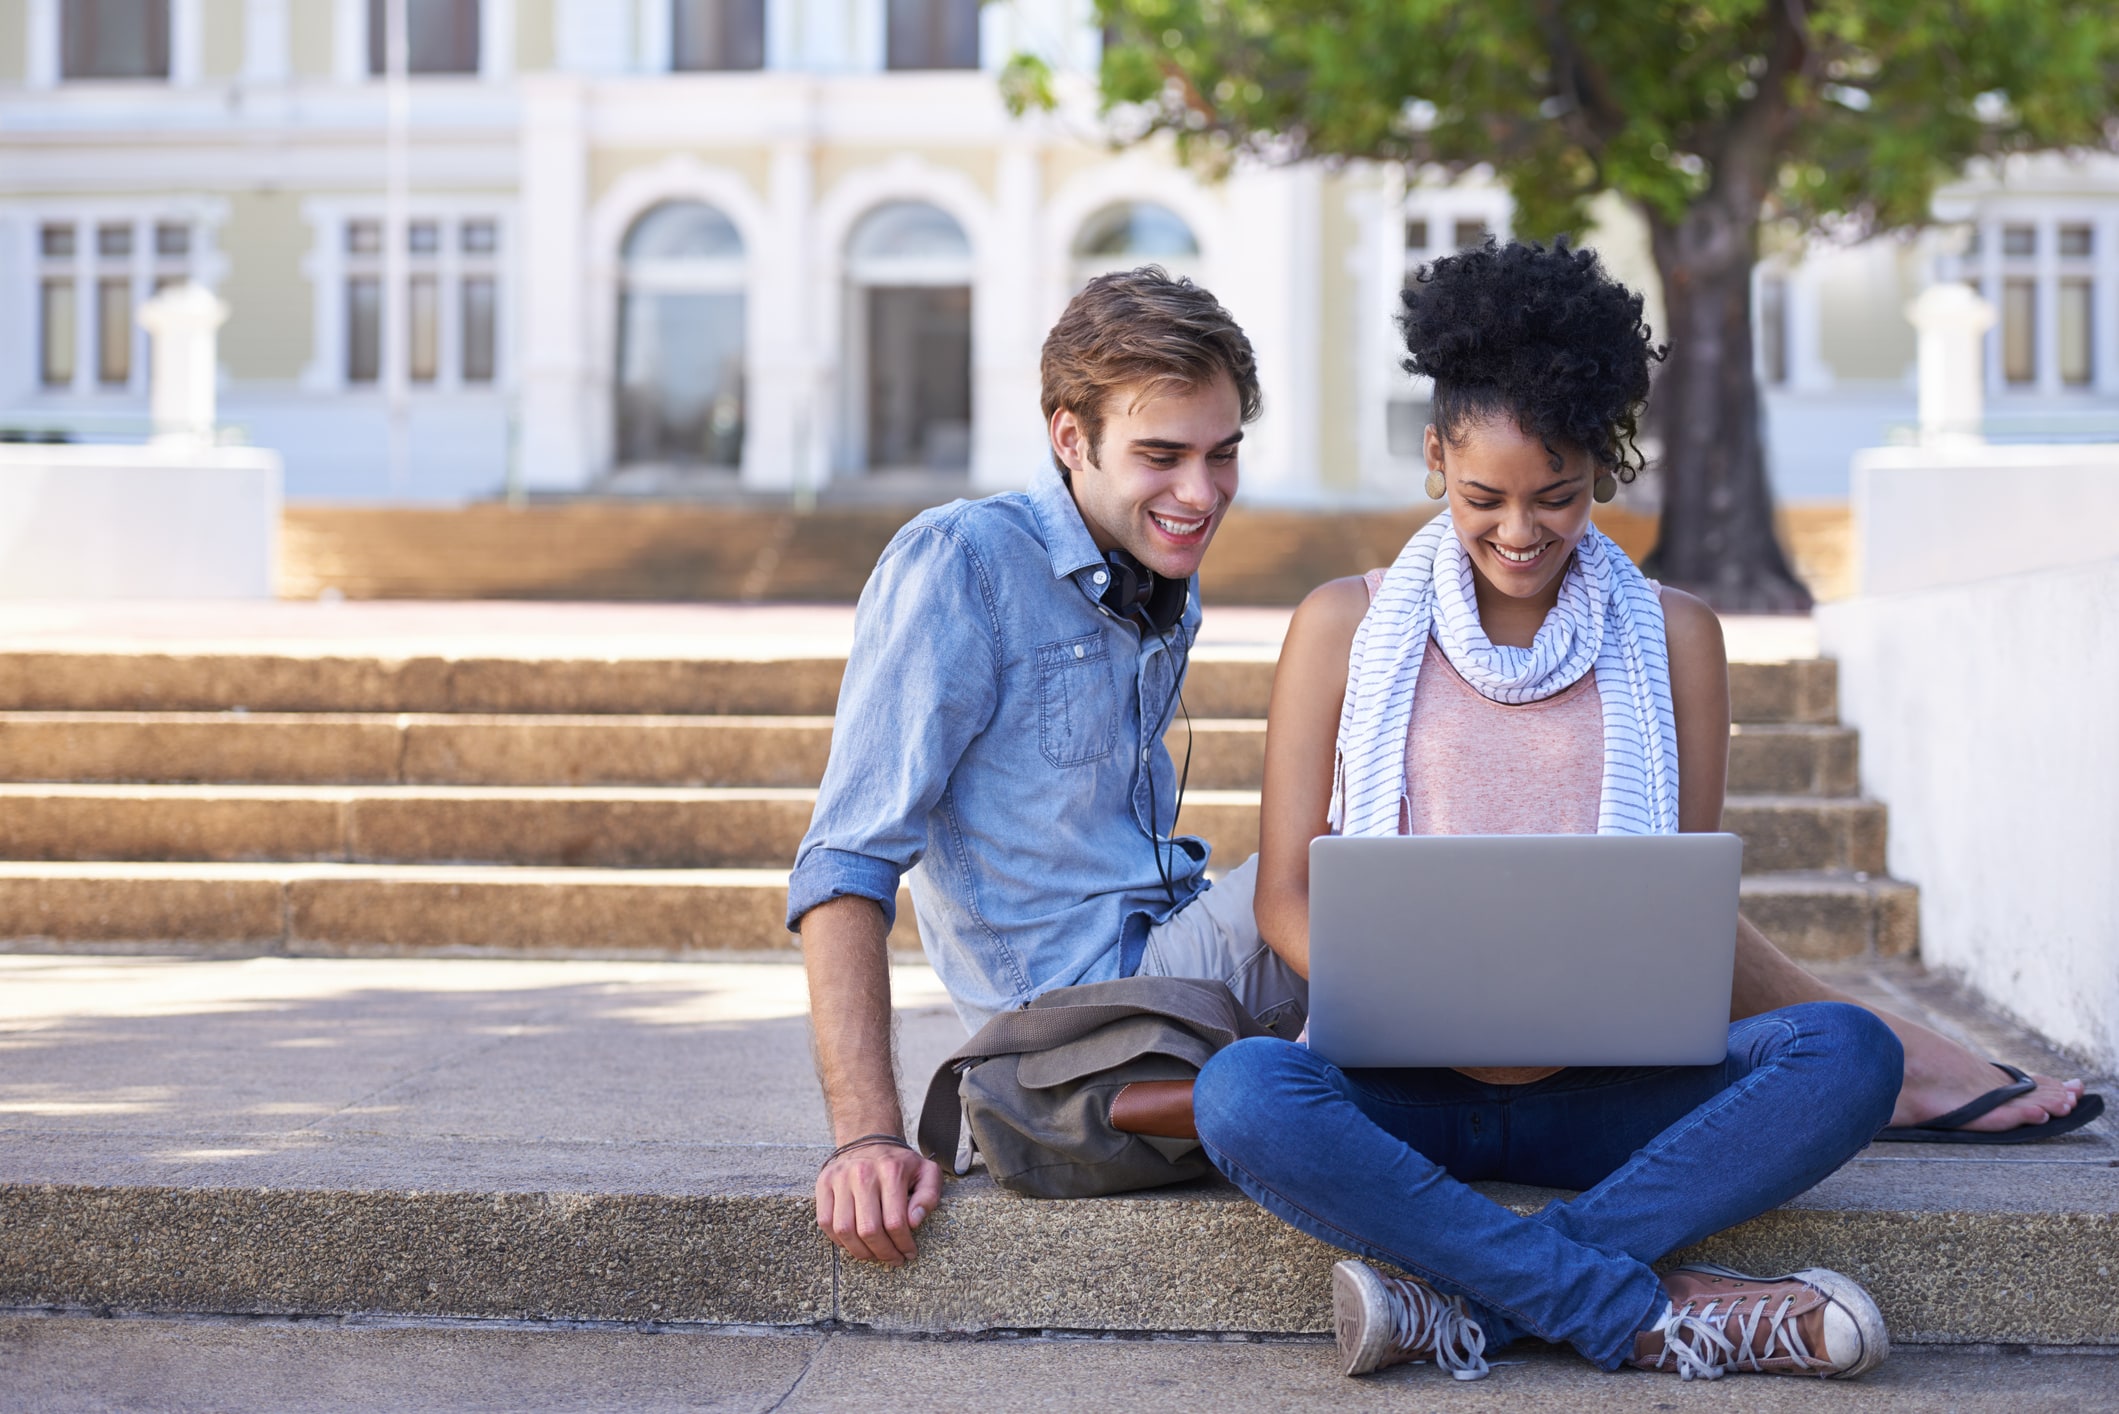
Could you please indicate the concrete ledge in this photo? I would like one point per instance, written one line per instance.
(750, 1259)
(1954, 1252)
(120, 522)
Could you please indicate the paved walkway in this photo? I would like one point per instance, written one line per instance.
(535, 1076)
(194, 1070)
(60, 1364)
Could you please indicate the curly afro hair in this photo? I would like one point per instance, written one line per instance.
(1540, 334)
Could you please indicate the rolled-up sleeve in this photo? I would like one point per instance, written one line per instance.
(921, 684)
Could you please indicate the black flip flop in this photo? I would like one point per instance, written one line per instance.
(1949, 1128)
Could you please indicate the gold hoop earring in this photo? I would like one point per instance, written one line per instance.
(1435, 488)
(1605, 487)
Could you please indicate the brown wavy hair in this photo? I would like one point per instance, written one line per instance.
(1141, 329)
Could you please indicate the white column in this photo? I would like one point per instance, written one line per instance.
(87, 269)
(1807, 370)
(866, 50)
(1379, 271)
(1270, 281)
(1952, 323)
(554, 442)
(785, 423)
(185, 39)
(1990, 285)
(265, 39)
(1007, 430)
(1000, 35)
(142, 276)
(41, 38)
(496, 39)
(783, 34)
(2104, 307)
(592, 36)
(654, 36)
(349, 40)
(18, 343)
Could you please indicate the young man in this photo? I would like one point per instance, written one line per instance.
(999, 732)
(1016, 661)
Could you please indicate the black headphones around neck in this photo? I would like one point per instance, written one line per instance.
(1133, 591)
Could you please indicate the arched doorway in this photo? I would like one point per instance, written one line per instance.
(908, 326)
(680, 339)
(1133, 233)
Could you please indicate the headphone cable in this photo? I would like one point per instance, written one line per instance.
(1167, 870)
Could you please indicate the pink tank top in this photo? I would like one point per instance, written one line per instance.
(1474, 766)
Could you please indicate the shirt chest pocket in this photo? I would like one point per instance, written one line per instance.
(1077, 717)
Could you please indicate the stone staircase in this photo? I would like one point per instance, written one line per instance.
(329, 1108)
(320, 805)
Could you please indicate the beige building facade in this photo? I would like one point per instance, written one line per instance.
(799, 247)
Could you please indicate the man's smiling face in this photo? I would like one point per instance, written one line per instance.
(1161, 474)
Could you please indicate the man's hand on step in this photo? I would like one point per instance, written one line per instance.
(870, 1200)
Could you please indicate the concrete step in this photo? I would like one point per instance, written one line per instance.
(413, 748)
(1830, 916)
(658, 827)
(637, 1142)
(1794, 759)
(313, 909)
(1780, 833)
(1222, 683)
(425, 748)
(352, 909)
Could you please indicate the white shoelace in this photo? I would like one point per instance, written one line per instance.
(1424, 1319)
(1702, 1346)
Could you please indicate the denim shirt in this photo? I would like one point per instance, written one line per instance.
(989, 739)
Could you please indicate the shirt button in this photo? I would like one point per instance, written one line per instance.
(1079, 650)
(1144, 753)
(1099, 577)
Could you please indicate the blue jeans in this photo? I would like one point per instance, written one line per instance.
(1376, 1162)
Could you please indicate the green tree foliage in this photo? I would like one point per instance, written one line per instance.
(1711, 116)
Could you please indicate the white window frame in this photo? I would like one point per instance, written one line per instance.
(328, 265)
(205, 265)
(860, 274)
(1989, 267)
(349, 41)
(44, 42)
(1442, 206)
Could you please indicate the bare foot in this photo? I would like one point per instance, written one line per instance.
(1942, 1075)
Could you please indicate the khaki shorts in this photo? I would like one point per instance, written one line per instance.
(1215, 937)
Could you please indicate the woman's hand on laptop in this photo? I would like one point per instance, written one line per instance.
(870, 1199)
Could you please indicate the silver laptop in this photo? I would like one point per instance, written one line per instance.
(1497, 950)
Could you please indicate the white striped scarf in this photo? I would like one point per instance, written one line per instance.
(1609, 619)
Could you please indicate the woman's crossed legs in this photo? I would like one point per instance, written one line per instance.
(1376, 1162)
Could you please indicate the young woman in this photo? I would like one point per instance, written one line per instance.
(1513, 672)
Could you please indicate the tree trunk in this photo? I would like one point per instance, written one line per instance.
(1717, 538)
